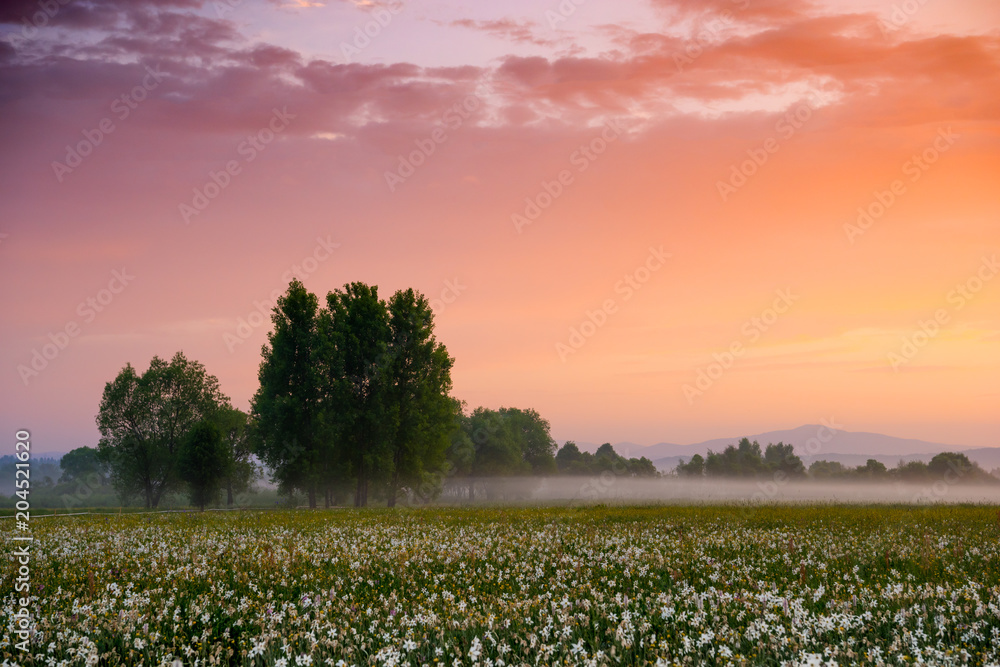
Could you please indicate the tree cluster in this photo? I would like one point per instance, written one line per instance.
(355, 393)
(745, 460)
(83, 463)
(953, 467)
(571, 461)
(159, 426)
(354, 400)
(500, 443)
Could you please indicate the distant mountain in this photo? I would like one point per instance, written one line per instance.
(623, 448)
(851, 448)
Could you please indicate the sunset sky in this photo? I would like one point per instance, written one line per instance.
(603, 200)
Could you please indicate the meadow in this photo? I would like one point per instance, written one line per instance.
(715, 585)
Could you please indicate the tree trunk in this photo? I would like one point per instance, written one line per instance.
(312, 496)
(229, 494)
(472, 491)
(394, 482)
(361, 493)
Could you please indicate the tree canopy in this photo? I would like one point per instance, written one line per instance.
(143, 419)
(82, 463)
(571, 461)
(357, 391)
(745, 459)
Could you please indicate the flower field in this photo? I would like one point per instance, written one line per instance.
(719, 585)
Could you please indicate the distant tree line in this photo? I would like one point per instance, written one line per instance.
(45, 473)
(77, 478)
(746, 459)
(571, 461)
(950, 466)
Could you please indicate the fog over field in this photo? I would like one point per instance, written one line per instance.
(612, 489)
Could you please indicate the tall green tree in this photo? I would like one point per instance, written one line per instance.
(359, 374)
(202, 460)
(143, 419)
(418, 378)
(358, 390)
(286, 408)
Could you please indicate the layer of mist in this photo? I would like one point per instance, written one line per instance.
(611, 489)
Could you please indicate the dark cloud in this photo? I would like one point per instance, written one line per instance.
(83, 13)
